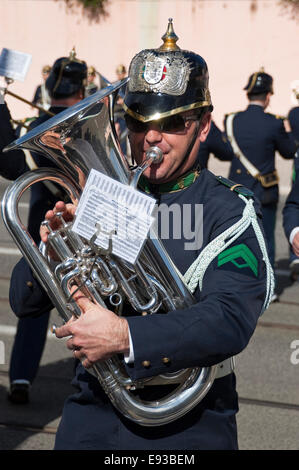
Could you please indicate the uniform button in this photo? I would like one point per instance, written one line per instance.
(146, 364)
(239, 171)
(29, 284)
(166, 360)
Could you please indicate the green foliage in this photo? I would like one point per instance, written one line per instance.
(93, 9)
(292, 6)
(93, 4)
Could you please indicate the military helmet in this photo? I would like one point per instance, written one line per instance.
(91, 70)
(296, 92)
(67, 76)
(120, 69)
(166, 81)
(259, 83)
(46, 69)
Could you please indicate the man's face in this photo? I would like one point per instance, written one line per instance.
(174, 145)
(90, 77)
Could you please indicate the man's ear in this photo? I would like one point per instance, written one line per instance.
(267, 100)
(205, 126)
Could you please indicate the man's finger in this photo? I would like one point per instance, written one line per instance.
(80, 298)
(83, 302)
(86, 363)
(64, 330)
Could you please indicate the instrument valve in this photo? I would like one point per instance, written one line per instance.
(46, 223)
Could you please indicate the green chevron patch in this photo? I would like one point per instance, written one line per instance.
(235, 254)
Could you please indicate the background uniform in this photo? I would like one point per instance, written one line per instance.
(11, 165)
(291, 208)
(259, 135)
(294, 123)
(65, 80)
(217, 144)
(31, 331)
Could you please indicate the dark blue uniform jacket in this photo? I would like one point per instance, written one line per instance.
(12, 164)
(217, 144)
(218, 326)
(259, 135)
(291, 209)
(294, 122)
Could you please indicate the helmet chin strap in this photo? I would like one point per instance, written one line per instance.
(191, 145)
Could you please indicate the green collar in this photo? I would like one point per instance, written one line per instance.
(182, 182)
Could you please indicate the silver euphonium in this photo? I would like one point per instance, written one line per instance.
(76, 140)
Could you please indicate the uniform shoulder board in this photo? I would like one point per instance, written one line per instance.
(277, 116)
(232, 112)
(236, 187)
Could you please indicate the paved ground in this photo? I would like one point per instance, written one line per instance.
(268, 382)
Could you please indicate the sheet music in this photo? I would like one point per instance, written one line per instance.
(14, 64)
(109, 206)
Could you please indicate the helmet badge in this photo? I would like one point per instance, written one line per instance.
(154, 70)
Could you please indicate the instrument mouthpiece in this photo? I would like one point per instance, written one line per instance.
(154, 153)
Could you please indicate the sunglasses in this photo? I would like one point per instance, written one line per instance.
(170, 124)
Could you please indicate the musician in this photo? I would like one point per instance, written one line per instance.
(66, 86)
(91, 86)
(216, 143)
(291, 213)
(41, 95)
(121, 73)
(255, 137)
(233, 294)
(293, 118)
(10, 168)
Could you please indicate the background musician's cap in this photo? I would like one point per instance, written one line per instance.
(67, 76)
(46, 69)
(259, 83)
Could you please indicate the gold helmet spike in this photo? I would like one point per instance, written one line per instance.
(169, 39)
(73, 54)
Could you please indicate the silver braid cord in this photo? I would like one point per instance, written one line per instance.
(194, 275)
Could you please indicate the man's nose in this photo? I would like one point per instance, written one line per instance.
(153, 134)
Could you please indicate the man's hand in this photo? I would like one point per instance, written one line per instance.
(97, 334)
(68, 213)
(295, 244)
(287, 125)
